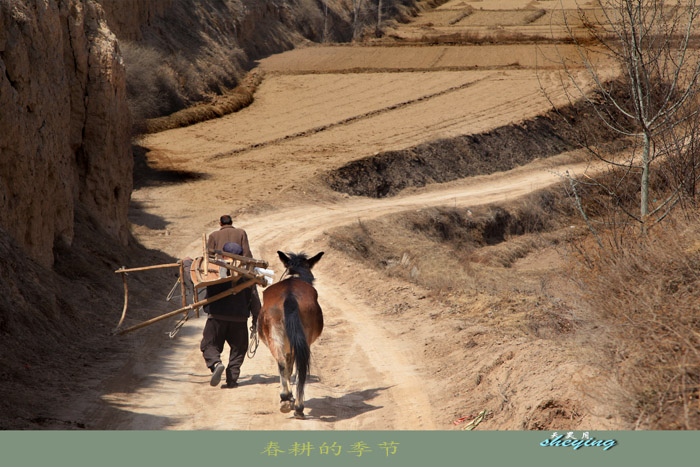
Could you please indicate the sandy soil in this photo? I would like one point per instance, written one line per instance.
(370, 371)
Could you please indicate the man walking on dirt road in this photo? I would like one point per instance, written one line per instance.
(227, 322)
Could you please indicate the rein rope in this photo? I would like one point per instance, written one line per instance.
(284, 274)
(253, 344)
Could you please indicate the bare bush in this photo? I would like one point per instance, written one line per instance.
(641, 297)
(159, 85)
(151, 84)
(228, 102)
(646, 305)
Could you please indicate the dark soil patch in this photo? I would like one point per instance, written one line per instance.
(444, 160)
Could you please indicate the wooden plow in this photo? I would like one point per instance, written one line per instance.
(209, 269)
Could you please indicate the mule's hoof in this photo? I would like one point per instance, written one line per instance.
(286, 406)
(299, 415)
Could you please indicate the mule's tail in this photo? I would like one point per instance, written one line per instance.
(298, 343)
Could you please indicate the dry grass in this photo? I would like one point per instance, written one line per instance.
(155, 84)
(640, 299)
(642, 293)
(632, 308)
(478, 38)
(231, 101)
(645, 298)
(464, 258)
(159, 85)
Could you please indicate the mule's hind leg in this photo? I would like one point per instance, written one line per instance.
(299, 409)
(299, 404)
(286, 397)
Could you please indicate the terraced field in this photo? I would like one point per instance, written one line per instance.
(317, 109)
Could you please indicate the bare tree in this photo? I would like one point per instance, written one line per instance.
(357, 14)
(324, 37)
(653, 99)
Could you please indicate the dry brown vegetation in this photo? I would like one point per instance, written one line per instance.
(459, 253)
(645, 297)
(157, 84)
(632, 309)
(479, 38)
(643, 293)
(169, 92)
(228, 102)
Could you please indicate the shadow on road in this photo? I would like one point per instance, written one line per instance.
(333, 409)
(146, 175)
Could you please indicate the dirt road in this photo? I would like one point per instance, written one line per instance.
(363, 376)
(262, 166)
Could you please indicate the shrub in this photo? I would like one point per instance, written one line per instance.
(151, 84)
(645, 298)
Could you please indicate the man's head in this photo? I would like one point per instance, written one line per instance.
(225, 220)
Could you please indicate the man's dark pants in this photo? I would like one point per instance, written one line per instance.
(235, 334)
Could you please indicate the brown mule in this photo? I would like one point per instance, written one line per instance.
(289, 322)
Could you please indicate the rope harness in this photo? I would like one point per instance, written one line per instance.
(182, 320)
(179, 325)
(284, 274)
(172, 291)
(254, 342)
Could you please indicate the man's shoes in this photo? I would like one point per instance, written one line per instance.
(229, 385)
(216, 374)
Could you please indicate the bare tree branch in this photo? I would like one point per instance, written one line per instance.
(653, 101)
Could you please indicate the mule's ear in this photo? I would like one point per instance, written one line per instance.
(284, 258)
(314, 260)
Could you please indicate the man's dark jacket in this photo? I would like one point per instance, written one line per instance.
(236, 307)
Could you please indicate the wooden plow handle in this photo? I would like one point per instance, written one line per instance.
(244, 260)
(241, 271)
(123, 271)
(246, 268)
(187, 308)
